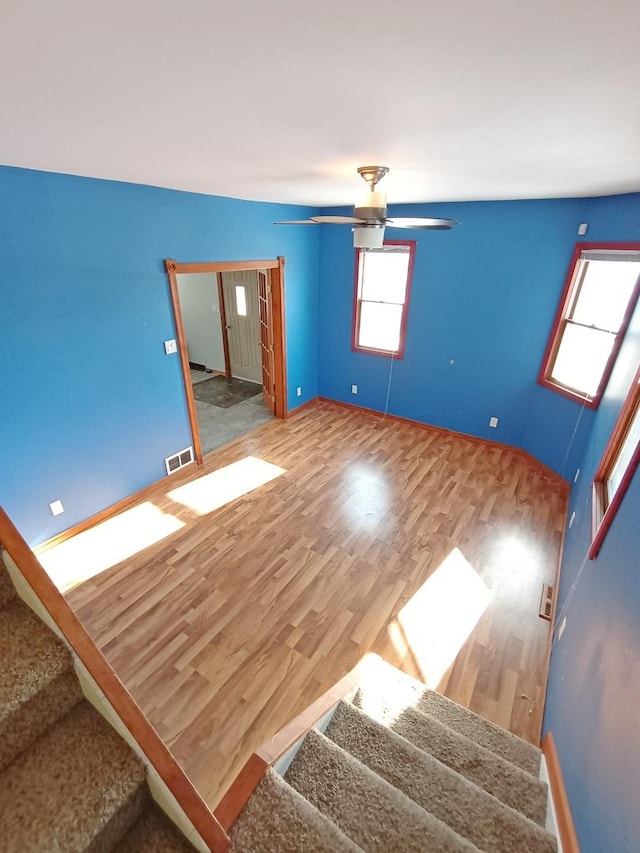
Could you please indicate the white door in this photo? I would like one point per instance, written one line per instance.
(243, 324)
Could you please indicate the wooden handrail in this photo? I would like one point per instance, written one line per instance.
(195, 808)
(269, 752)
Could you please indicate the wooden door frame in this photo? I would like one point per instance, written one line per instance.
(276, 276)
(223, 323)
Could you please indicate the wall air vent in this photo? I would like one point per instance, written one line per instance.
(178, 460)
(546, 601)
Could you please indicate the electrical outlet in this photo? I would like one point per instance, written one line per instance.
(572, 519)
(563, 625)
(170, 346)
(56, 508)
(493, 422)
(354, 389)
(299, 391)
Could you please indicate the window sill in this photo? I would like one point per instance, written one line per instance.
(589, 402)
(396, 356)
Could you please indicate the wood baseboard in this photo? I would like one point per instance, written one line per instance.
(123, 504)
(488, 441)
(566, 827)
(308, 405)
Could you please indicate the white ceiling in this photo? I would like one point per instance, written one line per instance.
(281, 100)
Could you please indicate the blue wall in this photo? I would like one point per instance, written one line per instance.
(91, 405)
(484, 295)
(593, 698)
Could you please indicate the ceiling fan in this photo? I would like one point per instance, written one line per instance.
(370, 216)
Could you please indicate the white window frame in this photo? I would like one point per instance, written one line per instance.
(358, 300)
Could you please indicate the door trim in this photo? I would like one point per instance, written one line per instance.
(276, 268)
(223, 323)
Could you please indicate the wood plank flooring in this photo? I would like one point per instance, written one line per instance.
(230, 626)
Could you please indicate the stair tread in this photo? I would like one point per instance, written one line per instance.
(277, 819)
(64, 791)
(7, 590)
(404, 690)
(372, 812)
(153, 832)
(509, 783)
(461, 804)
(32, 656)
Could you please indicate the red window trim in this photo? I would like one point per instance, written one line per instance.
(553, 343)
(355, 329)
(603, 515)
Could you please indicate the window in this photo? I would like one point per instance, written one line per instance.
(597, 302)
(241, 300)
(383, 280)
(617, 467)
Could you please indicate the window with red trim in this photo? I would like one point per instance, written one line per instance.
(617, 467)
(383, 282)
(600, 294)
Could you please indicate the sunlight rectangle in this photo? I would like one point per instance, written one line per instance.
(439, 618)
(95, 550)
(214, 490)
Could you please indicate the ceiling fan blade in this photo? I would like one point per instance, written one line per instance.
(297, 222)
(337, 220)
(423, 223)
(327, 220)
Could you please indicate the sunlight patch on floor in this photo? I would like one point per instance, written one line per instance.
(435, 623)
(385, 694)
(95, 550)
(220, 487)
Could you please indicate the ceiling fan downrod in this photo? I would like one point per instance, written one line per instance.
(372, 174)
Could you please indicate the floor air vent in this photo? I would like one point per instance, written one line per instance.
(546, 601)
(179, 460)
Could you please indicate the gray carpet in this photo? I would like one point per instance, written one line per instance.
(415, 772)
(68, 782)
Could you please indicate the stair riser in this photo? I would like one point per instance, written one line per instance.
(7, 589)
(109, 836)
(30, 721)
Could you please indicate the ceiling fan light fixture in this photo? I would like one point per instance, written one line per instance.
(368, 236)
(372, 206)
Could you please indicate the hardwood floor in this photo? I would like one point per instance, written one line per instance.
(377, 536)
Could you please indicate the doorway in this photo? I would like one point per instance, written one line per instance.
(250, 320)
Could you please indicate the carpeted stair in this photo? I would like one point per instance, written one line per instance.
(68, 782)
(401, 768)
